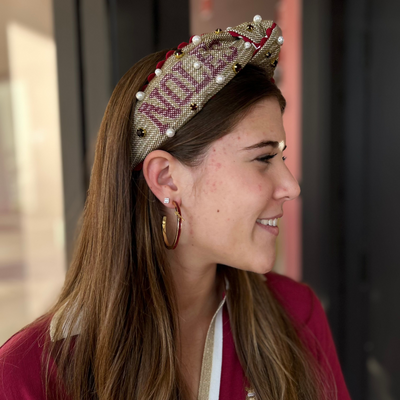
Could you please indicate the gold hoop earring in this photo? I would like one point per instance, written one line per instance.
(178, 228)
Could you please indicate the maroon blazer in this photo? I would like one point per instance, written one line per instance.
(304, 307)
(20, 356)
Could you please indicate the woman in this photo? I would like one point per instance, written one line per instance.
(169, 295)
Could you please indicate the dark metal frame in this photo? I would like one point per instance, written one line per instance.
(350, 183)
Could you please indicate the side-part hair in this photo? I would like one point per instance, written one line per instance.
(119, 287)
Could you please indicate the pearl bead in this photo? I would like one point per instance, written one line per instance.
(140, 95)
(257, 19)
(220, 79)
(196, 39)
(170, 132)
(247, 45)
(280, 40)
(197, 65)
(158, 72)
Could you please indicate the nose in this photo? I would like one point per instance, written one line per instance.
(287, 187)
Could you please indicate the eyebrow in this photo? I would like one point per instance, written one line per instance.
(264, 144)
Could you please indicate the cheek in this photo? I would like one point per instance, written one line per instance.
(248, 186)
(228, 196)
(214, 178)
(212, 203)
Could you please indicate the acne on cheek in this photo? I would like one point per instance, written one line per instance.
(256, 189)
(213, 187)
(211, 184)
(215, 164)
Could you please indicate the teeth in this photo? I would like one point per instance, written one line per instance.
(270, 222)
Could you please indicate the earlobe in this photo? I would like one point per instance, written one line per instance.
(157, 172)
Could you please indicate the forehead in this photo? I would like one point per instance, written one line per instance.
(263, 123)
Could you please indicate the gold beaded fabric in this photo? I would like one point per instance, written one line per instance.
(195, 73)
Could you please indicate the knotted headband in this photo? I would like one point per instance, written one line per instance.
(188, 77)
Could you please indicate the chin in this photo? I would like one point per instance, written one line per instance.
(259, 266)
(262, 270)
(265, 264)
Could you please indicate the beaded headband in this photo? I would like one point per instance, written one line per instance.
(191, 75)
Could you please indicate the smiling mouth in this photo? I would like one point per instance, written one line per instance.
(270, 222)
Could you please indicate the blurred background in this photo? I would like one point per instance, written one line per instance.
(338, 69)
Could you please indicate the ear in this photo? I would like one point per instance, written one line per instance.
(159, 169)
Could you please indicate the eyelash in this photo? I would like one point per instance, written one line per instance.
(266, 159)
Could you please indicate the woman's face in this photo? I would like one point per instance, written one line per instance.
(242, 183)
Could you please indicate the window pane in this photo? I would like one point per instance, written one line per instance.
(32, 259)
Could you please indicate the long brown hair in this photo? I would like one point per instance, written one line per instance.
(119, 288)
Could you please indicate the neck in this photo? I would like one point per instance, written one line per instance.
(198, 292)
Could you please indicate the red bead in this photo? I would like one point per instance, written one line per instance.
(183, 44)
(169, 54)
(150, 77)
(178, 53)
(160, 64)
(138, 167)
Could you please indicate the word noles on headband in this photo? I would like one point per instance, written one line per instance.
(208, 68)
(191, 75)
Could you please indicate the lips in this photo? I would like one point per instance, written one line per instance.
(276, 216)
(271, 229)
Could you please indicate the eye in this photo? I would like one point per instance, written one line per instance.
(265, 159)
